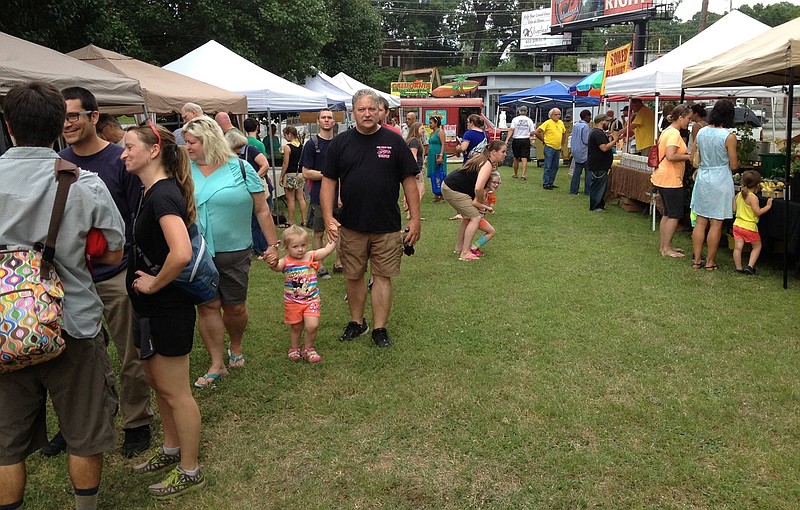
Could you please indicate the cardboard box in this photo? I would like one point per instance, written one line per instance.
(631, 205)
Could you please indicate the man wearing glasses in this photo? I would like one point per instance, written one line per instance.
(188, 112)
(90, 152)
(553, 134)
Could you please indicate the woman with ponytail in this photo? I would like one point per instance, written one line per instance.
(464, 190)
(163, 315)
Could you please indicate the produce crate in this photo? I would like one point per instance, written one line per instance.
(773, 164)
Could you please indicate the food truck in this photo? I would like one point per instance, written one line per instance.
(453, 111)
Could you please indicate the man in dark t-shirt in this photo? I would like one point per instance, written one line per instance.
(599, 161)
(90, 152)
(369, 163)
(312, 161)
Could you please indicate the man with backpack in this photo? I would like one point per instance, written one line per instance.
(312, 161)
(78, 379)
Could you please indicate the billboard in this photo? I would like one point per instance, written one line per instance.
(571, 11)
(534, 25)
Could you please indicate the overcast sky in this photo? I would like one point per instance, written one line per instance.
(687, 8)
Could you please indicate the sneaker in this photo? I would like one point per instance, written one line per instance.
(157, 462)
(381, 337)
(599, 209)
(323, 274)
(137, 441)
(750, 270)
(337, 268)
(354, 330)
(55, 446)
(177, 483)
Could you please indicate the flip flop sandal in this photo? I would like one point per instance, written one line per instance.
(209, 381)
(469, 257)
(235, 361)
(698, 265)
(712, 267)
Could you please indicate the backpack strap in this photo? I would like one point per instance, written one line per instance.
(66, 174)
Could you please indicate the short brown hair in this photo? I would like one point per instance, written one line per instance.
(35, 113)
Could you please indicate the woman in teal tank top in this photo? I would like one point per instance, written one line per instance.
(437, 158)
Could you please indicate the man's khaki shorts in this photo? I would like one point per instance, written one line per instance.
(81, 384)
(382, 250)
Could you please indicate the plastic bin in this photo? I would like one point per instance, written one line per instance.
(773, 164)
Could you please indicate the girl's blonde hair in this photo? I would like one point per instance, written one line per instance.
(494, 175)
(293, 233)
(215, 146)
(750, 179)
(175, 161)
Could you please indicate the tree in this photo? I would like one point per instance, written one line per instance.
(772, 15)
(350, 17)
(426, 30)
(69, 25)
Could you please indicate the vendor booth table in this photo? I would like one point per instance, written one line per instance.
(771, 228)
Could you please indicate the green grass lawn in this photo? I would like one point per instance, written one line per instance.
(571, 367)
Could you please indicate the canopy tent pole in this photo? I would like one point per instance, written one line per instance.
(772, 112)
(787, 164)
(655, 123)
(274, 194)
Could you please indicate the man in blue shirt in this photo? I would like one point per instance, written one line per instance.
(580, 153)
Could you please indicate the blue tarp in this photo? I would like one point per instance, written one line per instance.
(553, 94)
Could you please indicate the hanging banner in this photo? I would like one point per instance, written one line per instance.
(616, 63)
(417, 88)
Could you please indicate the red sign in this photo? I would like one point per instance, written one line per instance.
(569, 11)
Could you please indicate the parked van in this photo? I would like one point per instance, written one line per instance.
(454, 113)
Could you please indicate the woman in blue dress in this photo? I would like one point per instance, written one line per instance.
(437, 158)
(712, 196)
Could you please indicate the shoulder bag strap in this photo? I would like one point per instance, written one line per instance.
(66, 174)
(244, 172)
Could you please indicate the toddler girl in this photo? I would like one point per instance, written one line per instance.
(745, 228)
(484, 226)
(301, 295)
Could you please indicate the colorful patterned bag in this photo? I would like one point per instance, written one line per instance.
(31, 293)
(30, 310)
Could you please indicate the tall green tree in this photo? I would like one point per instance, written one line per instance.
(425, 30)
(66, 26)
(774, 14)
(352, 20)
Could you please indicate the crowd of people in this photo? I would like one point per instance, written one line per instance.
(144, 188)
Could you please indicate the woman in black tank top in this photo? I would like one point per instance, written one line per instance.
(292, 175)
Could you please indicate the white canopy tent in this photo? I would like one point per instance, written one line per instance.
(663, 77)
(351, 85)
(324, 84)
(266, 92)
(772, 59)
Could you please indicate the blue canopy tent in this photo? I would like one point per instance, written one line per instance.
(553, 94)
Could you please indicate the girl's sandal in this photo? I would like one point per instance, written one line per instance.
(698, 265)
(294, 354)
(311, 355)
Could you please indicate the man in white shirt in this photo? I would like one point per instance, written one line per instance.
(522, 128)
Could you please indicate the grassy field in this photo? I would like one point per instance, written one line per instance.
(572, 367)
